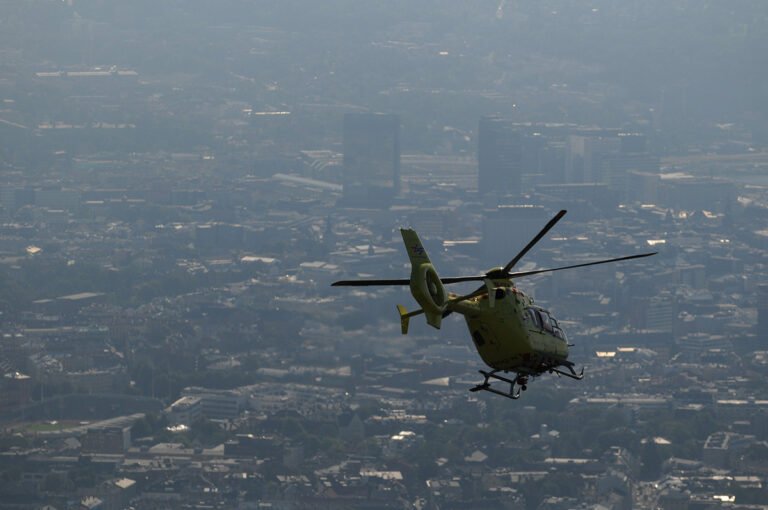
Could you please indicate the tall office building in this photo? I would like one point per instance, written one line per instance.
(661, 312)
(499, 156)
(371, 158)
(513, 157)
(610, 157)
(633, 156)
(586, 154)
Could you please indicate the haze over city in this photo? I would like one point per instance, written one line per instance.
(182, 181)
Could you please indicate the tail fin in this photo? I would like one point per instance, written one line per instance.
(426, 287)
(416, 251)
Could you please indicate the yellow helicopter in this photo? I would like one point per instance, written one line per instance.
(510, 332)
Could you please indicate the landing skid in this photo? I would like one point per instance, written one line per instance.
(571, 373)
(520, 382)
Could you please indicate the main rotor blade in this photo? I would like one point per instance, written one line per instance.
(535, 240)
(619, 259)
(367, 283)
(480, 278)
(404, 281)
(459, 279)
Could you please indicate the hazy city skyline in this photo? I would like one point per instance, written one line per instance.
(181, 181)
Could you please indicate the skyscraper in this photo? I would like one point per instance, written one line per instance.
(371, 158)
(586, 153)
(499, 156)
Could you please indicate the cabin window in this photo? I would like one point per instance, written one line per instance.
(540, 319)
(545, 322)
(533, 317)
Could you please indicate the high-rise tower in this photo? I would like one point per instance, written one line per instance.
(499, 156)
(371, 158)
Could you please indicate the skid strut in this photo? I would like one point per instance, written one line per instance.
(572, 374)
(521, 381)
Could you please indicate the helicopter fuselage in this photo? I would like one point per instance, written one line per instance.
(511, 333)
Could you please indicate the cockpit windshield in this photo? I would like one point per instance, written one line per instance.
(557, 330)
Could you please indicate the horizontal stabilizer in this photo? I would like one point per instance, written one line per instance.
(405, 317)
